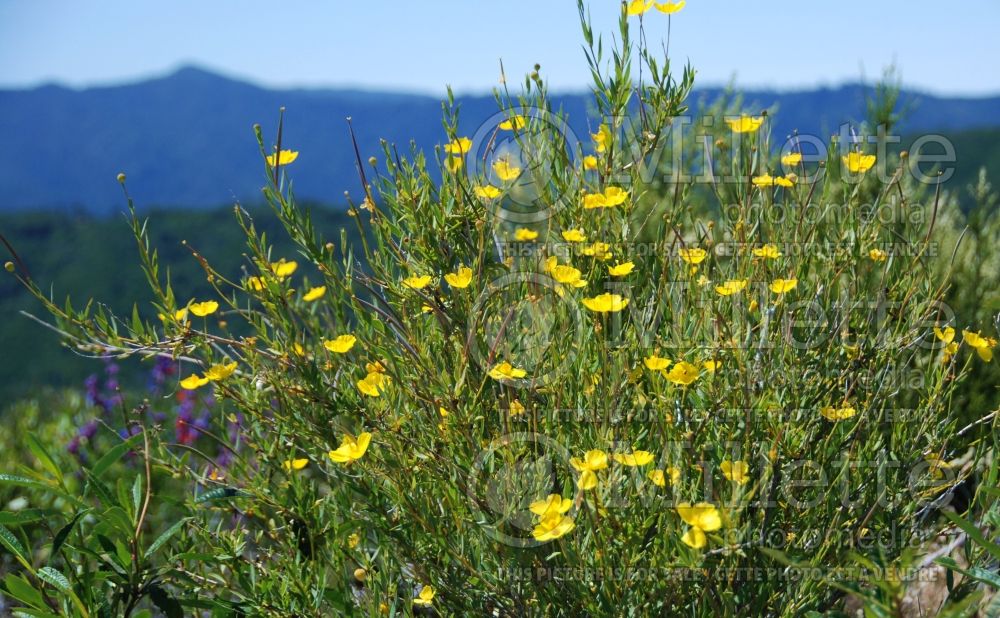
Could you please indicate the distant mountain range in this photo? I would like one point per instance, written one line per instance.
(185, 140)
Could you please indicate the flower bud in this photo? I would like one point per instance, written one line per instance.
(360, 574)
(121, 177)
(8, 266)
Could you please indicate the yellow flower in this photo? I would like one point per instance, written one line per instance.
(606, 303)
(454, 164)
(417, 282)
(461, 278)
(857, 162)
(620, 270)
(786, 181)
(837, 414)
(693, 255)
(181, 315)
(256, 284)
(504, 170)
(638, 7)
(736, 471)
(506, 371)
(780, 286)
(488, 192)
(670, 7)
(220, 372)
(702, 517)
(314, 294)
(284, 157)
(947, 335)
(983, 345)
(459, 146)
(193, 381)
(768, 251)
(567, 275)
(602, 139)
(204, 308)
(763, 181)
(659, 477)
(295, 464)
(598, 250)
(523, 234)
(516, 408)
(351, 448)
(373, 384)
(615, 196)
(283, 268)
(552, 504)
(593, 460)
(745, 124)
(425, 598)
(730, 287)
(590, 162)
(950, 350)
(877, 255)
(634, 459)
(683, 373)
(515, 122)
(574, 235)
(791, 159)
(553, 526)
(711, 365)
(340, 345)
(594, 200)
(656, 363)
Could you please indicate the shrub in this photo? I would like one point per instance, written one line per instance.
(543, 384)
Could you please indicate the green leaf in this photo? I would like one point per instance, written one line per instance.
(977, 573)
(167, 604)
(23, 481)
(114, 454)
(27, 516)
(43, 457)
(974, 534)
(55, 578)
(163, 538)
(137, 494)
(21, 590)
(14, 546)
(221, 493)
(102, 491)
(63, 534)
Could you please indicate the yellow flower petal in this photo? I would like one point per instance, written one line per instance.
(284, 157)
(340, 345)
(204, 308)
(314, 294)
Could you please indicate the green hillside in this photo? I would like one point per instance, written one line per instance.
(81, 256)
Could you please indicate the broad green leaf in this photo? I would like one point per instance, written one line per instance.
(21, 590)
(54, 577)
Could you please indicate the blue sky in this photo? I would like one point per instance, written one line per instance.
(421, 45)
